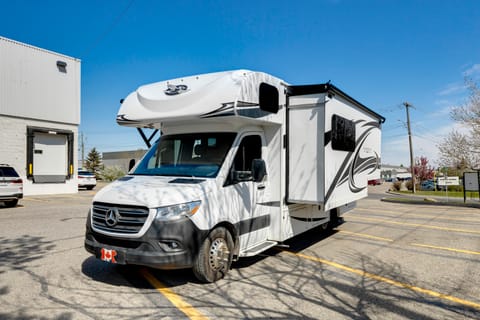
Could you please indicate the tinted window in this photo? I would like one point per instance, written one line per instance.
(8, 172)
(250, 148)
(343, 134)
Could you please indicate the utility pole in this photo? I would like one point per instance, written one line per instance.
(408, 105)
(82, 148)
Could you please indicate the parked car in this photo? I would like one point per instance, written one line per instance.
(375, 182)
(11, 186)
(86, 179)
(427, 185)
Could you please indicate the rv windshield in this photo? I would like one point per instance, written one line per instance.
(187, 155)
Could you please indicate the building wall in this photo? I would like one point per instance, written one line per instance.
(33, 86)
(13, 149)
(121, 159)
(38, 89)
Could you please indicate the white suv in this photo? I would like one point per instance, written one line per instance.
(11, 186)
(86, 179)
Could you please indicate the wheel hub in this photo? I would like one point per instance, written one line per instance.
(219, 254)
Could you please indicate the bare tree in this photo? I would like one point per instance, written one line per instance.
(462, 150)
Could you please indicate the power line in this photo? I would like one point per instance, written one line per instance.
(109, 29)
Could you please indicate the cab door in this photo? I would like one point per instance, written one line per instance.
(246, 195)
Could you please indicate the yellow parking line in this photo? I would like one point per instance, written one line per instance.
(442, 218)
(421, 215)
(387, 280)
(364, 235)
(36, 199)
(416, 225)
(175, 299)
(457, 212)
(445, 248)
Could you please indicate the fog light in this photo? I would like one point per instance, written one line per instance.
(169, 245)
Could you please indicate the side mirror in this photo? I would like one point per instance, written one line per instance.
(131, 164)
(259, 170)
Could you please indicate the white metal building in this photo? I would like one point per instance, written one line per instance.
(39, 116)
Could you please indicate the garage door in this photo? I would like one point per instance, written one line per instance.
(50, 158)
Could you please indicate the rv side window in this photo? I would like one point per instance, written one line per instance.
(250, 148)
(343, 134)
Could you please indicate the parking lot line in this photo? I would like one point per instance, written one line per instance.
(443, 218)
(364, 235)
(424, 216)
(369, 275)
(444, 248)
(419, 213)
(174, 298)
(35, 199)
(415, 225)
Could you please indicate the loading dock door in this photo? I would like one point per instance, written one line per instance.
(50, 158)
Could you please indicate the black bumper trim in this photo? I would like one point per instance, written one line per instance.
(165, 245)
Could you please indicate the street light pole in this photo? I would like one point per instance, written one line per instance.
(408, 105)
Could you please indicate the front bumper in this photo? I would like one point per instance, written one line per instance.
(165, 245)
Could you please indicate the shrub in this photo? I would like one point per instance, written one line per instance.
(111, 173)
(409, 185)
(397, 185)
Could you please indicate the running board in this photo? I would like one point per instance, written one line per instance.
(259, 248)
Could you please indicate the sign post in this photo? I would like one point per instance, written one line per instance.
(447, 181)
(471, 182)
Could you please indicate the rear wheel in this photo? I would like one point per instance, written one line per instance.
(215, 256)
(11, 203)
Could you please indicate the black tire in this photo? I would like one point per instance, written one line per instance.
(215, 256)
(11, 203)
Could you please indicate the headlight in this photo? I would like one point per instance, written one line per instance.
(177, 211)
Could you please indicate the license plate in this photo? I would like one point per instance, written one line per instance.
(111, 256)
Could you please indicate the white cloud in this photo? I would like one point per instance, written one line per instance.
(442, 112)
(396, 151)
(452, 89)
(473, 71)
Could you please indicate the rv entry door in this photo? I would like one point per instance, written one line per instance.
(246, 195)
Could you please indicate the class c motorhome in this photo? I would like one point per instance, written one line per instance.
(244, 162)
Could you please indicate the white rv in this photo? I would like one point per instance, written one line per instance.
(244, 162)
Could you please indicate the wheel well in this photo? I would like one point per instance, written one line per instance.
(233, 231)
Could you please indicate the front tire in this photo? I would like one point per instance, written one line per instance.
(215, 256)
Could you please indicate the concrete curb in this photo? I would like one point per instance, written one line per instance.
(419, 201)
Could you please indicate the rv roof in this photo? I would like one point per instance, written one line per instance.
(328, 87)
(194, 97)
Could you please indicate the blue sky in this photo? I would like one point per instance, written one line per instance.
(380, 52)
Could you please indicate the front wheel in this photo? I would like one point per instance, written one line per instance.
(215, 256)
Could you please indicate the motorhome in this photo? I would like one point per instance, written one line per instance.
(244, 162)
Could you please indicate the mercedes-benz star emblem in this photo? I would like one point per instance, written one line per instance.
(111, 217)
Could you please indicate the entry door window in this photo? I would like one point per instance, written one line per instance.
(250, 148)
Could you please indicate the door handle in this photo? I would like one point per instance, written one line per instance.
(261, 187)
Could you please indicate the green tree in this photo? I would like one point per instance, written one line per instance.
(94, 161)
